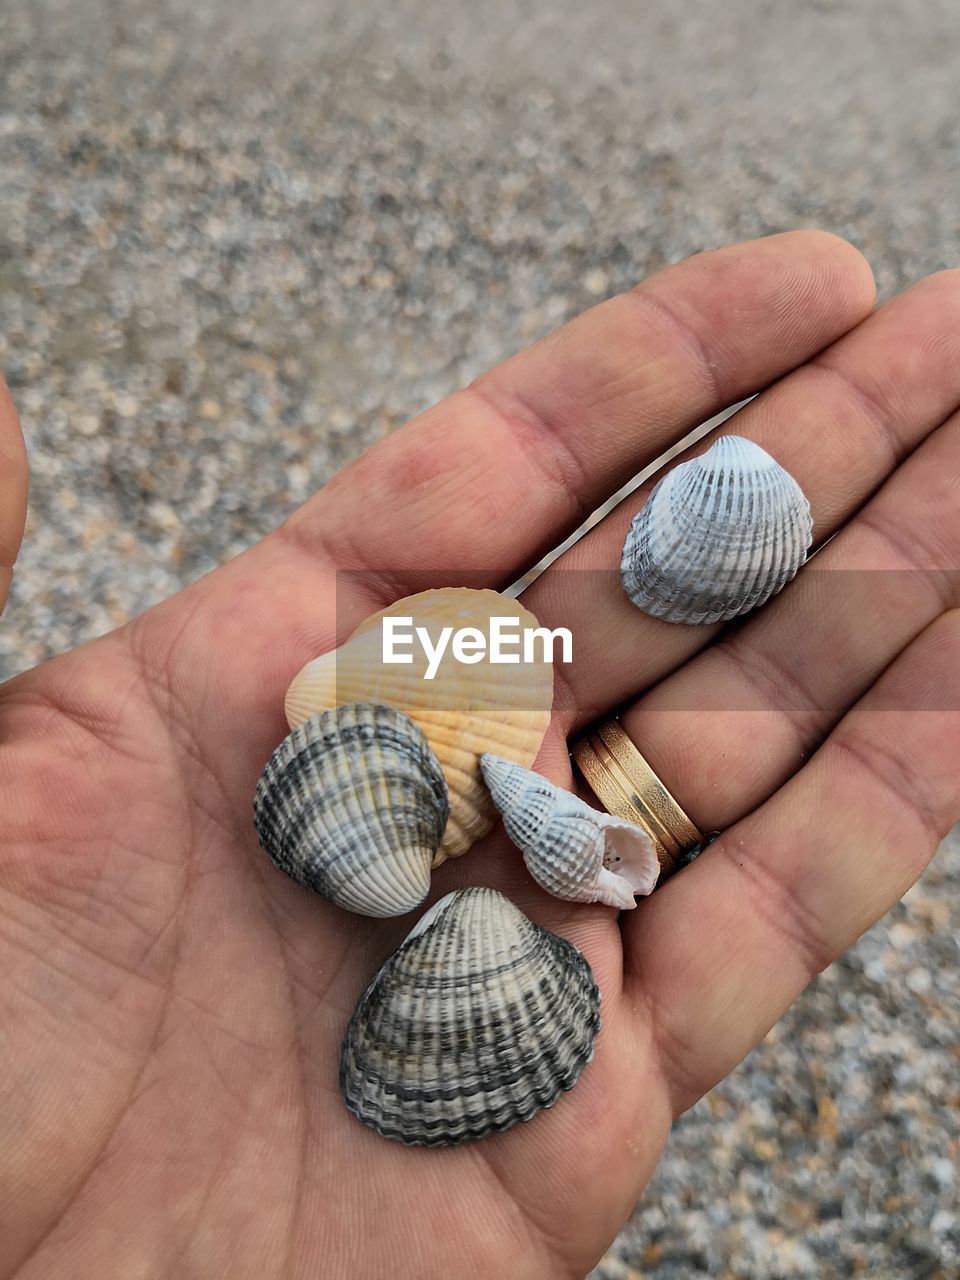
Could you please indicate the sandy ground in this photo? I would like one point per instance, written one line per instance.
(240, 242)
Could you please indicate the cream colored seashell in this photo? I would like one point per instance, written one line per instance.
(571, 850)
(353, 804)
(719, 536)
(480, 1020)
(464, 711)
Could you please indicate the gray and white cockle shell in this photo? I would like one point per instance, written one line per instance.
(719, 536)
(571, 850)
(353, 804)
(480, 1020)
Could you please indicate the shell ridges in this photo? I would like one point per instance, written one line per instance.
(718, 537)
(353, 804)
(571, 850)
(480, 1020)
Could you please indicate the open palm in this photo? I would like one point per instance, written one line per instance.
(172, 1008)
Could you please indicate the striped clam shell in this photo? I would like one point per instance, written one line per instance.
(571, 850)
(353, 804)
(719, 536)
(480, 1020)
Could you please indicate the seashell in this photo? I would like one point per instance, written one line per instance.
(719, 536)
(464, 710)
(571, 850)
(480, 1020)
(353, 804)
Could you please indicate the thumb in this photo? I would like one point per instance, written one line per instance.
(13, 489)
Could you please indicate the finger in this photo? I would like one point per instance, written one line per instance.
(840, 425)
(734, 723)
(724, 948)
(13, 490)
(500, 472)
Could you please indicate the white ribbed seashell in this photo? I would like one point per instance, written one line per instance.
(571, 850)
(353, 804)
(719, 536)
(464, 710)
(480, 1020)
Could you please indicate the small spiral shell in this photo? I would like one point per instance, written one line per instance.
(571, 850)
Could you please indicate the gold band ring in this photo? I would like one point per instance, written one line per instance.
(628, 788)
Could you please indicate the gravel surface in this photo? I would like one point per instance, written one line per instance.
(240, 242)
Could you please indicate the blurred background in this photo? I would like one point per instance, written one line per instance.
(240, 241)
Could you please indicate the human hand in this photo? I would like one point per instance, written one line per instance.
(172, 1007)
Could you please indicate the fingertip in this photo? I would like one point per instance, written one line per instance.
(847, 272)
(940, 290)
(834, 263)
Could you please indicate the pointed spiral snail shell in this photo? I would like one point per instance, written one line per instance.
(353, 804)
(571, 850)
(480, 1020)
(719, 536)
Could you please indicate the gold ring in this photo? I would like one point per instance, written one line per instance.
(628, 788)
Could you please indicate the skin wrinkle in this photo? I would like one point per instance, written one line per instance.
(760, 673)
(381, 588)
(537, 1224)
(874, 412)
(171, 1270)
(133, 969)
(223, 1166)
(677, 1058)
(319, 997)
(941, 585)
(809, 784)
(51, 706)
(63, 914)
(895, 778)
(100, 1152)
(210, 1016)
(159, 684)
(109, 901)
(32, 699)
(778, 902)
(692, 339)
(564, 469)
(303, 1151)
(501, 1186)
(289, 1266)
(193, 1030)
(102, 1051)
(86, 1174)
(670, 1054)
(724, 279)
(47, 958)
